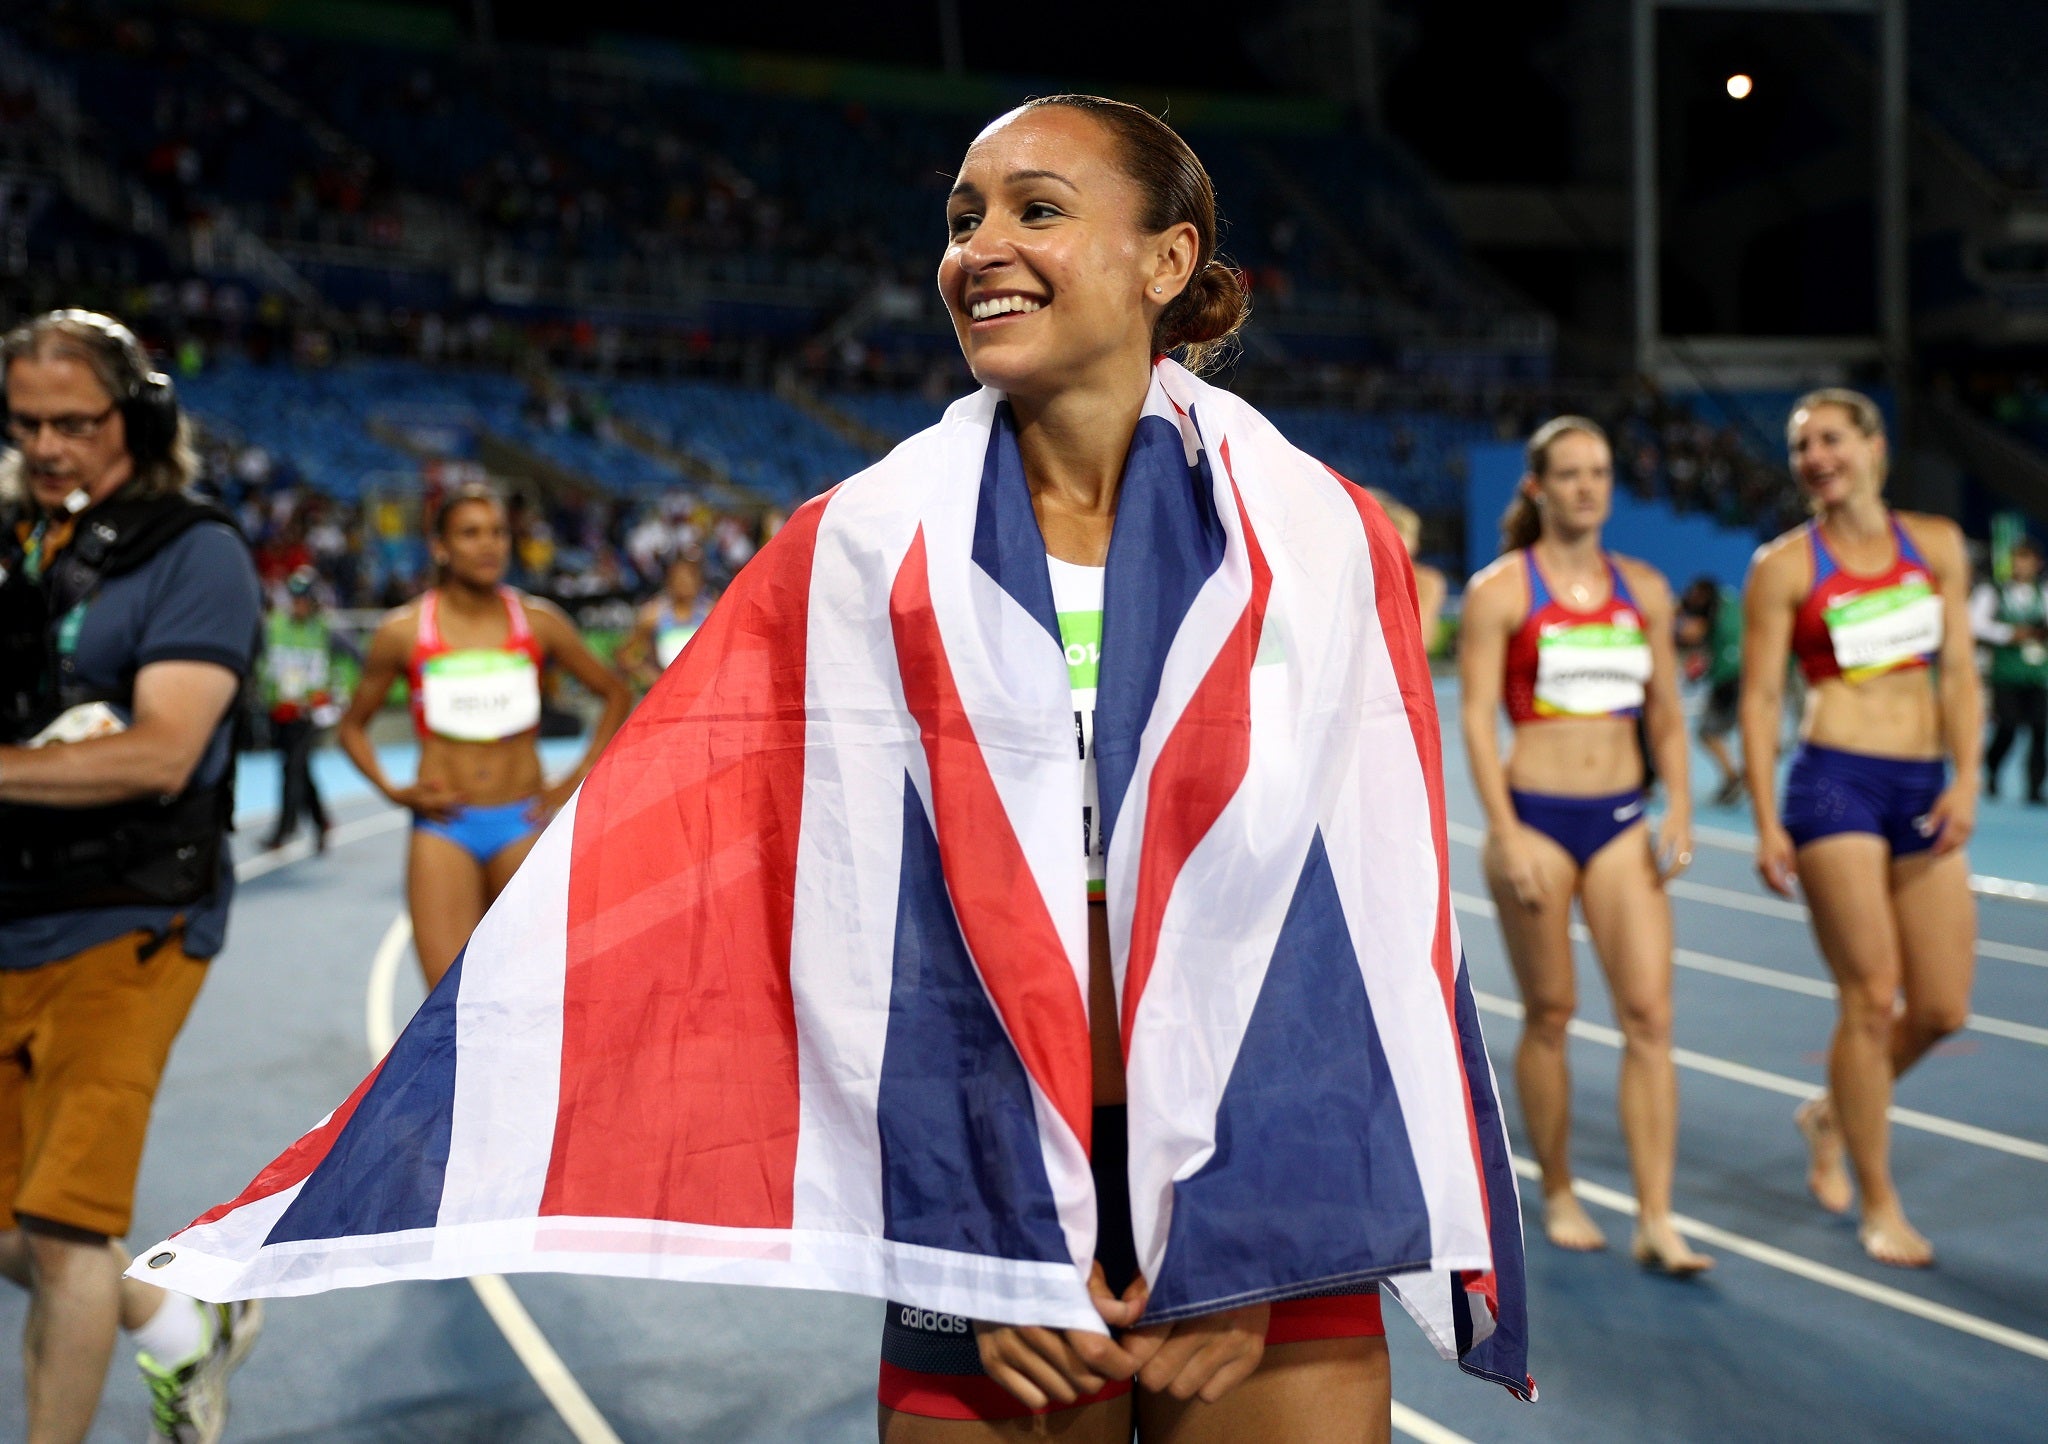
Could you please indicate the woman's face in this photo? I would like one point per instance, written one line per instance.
(1576, 490)
(1833, 460)
(475, 544)
(1047, 273)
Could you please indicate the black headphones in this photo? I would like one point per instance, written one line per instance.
(149, 403)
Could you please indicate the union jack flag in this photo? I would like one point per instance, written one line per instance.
(794, 992)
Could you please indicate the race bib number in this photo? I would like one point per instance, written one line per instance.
(481, 696)
(1884, 630)
(1593, 669)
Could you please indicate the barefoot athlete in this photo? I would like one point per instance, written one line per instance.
(472, 651)
(1874, 604)
(1578, 644)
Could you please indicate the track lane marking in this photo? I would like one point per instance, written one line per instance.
(499, 1301)
(1423, 1428)
(1791, 1087)
(300, 848)
(1814, 1272)
(1771, 907)
(1764, 977)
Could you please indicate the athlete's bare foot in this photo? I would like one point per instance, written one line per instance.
(1567, 1224)
(1827, 1176)
(1889, 1239)
(1659, 1246)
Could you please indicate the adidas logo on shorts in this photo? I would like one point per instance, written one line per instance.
(931, 1322)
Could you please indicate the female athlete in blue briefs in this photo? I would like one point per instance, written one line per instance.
(473, 651)
(1578, 644)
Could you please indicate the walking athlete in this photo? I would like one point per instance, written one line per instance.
(1874, 605)
(1578, 643)
(473, 651)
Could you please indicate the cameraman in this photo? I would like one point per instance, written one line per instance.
(129, 613)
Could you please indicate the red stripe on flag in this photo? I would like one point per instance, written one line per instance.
(296, 1164)
(679, 1055)
(1400, 619)
(1200, 767)
(1009, 931)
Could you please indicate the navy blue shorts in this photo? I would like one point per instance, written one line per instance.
(1830, 791)
(1579, 825)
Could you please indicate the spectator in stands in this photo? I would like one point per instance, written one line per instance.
(128, 618)
(2012, 620)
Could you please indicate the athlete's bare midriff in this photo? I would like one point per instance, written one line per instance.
(1895, 715)
(1576, 757)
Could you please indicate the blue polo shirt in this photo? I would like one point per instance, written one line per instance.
(196, 600)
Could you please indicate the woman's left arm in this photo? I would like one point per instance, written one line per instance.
(1664, 718)
(566, 648)
(1961, 697)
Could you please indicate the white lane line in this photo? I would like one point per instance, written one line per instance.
(301, 848)
(1771, 907)
(1820, 1273)
(1423, 1428)
(511, 1317)
(1790, 1087)
(1763, 977)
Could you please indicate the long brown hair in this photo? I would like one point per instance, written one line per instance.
(1522, 523)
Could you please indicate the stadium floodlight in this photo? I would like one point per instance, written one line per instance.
(1739, 87)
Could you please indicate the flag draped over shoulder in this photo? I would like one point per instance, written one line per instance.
(793, 991)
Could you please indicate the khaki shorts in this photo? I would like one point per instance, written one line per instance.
(83, 1044)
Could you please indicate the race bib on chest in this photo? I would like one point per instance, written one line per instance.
(480, 696)
(1077, 598)
(1880, 631)
(1591, 669)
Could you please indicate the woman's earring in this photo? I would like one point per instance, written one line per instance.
(1157, 289)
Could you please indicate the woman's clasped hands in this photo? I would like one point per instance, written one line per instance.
(1201, 1358)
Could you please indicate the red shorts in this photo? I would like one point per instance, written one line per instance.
(931, 1365)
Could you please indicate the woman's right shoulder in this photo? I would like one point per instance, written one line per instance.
(1501, 576)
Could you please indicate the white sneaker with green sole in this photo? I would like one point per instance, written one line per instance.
(189, 1404)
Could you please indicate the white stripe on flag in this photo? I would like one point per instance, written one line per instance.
(508, 1080)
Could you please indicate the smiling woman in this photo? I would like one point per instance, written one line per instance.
(1081, 250)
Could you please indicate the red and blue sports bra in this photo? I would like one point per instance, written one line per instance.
(1856, 627)
(1563, 663)
(475, 694)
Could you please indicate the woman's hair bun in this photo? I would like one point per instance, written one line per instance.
(1200, 321)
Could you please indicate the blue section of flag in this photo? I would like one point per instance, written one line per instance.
(1503, 1357)
(962, 1164)
(1167, 542)
(1313, 1180)
(385, 1170)
(1007, 542)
